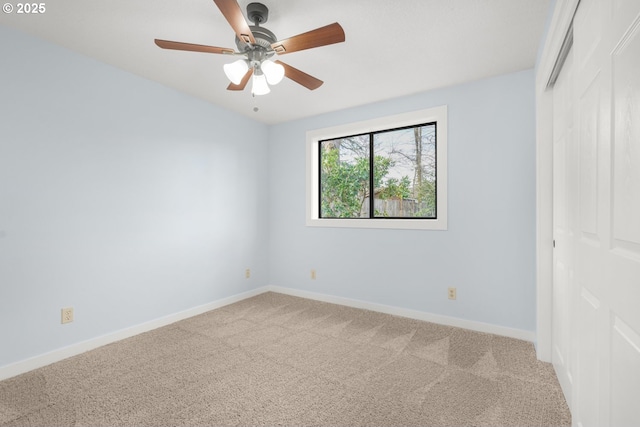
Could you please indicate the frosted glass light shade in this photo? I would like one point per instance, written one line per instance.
(259, 85)
(236, 70)
(273, 71)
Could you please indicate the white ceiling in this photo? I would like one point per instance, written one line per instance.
(393, 47)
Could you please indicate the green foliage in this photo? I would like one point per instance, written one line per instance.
(381, 166)
(345, 185)
(396, 189)
(427, 199)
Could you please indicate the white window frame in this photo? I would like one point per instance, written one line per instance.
(436, 114)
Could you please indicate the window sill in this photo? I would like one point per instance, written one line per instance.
(404, 224)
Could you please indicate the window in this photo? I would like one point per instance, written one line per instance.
(382, 173)
(397, 166)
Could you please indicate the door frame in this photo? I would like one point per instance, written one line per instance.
(561, 21)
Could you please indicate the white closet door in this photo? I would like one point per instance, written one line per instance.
(607, 213)
(563, 287)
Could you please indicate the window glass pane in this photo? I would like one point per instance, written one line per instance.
(344, 177)
(405, 172)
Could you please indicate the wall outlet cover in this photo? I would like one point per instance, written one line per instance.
(67, 315)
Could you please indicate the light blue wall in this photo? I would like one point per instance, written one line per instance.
(119, 197)
(488, 252)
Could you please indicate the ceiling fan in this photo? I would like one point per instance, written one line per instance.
(257, 45)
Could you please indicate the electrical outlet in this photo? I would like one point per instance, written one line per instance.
(247, 273)
(313, 275)
(67, 315)
(452, 293)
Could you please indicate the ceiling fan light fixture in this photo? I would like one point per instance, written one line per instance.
(259, 84)
(274, 72)
(236, 70)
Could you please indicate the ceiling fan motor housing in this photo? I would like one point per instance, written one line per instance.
(261, 50)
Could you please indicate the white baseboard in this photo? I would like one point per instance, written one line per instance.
(412, 314)
(39, 361)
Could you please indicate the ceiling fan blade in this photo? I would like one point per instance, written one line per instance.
(243, 83)
(166, 44)
(322, 36)
(300, 77)
(232, 12)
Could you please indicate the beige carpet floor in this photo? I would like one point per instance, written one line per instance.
(280, 360)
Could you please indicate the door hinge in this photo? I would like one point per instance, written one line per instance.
(554, 243)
